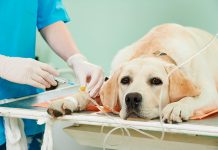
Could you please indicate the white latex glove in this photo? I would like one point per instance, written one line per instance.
(27, 71)
(86, 71)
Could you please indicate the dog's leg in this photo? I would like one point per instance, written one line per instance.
(183, 109)
(68, 105)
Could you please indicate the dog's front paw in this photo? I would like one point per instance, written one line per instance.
(176, 112)
(62, 107)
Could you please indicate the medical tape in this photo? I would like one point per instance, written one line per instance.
(74, 101)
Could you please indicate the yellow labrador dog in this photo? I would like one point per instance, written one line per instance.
(140, 71)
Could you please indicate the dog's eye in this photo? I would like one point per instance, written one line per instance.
(156, 81)
(125, 80)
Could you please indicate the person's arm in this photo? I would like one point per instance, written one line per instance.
(27, 71)
(60, 40)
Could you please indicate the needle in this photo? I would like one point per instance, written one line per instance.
(61, 80)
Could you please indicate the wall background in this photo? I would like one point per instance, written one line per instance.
(102, 27)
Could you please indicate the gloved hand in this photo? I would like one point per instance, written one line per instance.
(89, 75)
(27, 71)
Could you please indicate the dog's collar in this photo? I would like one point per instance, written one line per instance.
(164, 56)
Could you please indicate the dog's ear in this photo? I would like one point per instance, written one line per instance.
(180, 85)
(109, 92)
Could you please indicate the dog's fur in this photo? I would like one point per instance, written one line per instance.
(153, 57)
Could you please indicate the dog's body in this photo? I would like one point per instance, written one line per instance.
(139, 74)
(179, 43)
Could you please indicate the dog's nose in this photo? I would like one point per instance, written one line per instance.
(133, 100)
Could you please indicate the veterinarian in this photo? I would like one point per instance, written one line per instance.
(20, 74)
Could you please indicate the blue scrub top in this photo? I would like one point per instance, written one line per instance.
(19, 20)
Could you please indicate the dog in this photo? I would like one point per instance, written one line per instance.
(147, 70)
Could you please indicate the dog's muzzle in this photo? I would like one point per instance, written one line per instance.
(133, 101)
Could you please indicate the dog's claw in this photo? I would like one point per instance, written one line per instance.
(54, 113)
(67, 111)
(174, 122)
(165, 121)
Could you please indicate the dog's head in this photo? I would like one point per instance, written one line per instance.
(135, 87)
